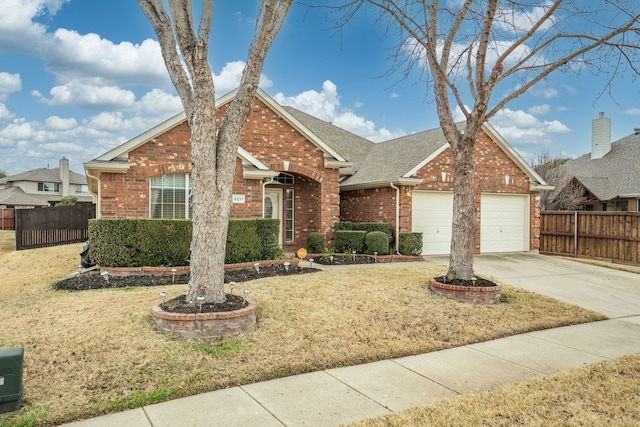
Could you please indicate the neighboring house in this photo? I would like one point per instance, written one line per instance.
(610, 174)
(310, 174)
(43, 187)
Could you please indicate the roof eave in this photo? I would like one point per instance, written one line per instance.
(402, 181)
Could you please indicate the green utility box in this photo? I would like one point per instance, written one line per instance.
(11, 387)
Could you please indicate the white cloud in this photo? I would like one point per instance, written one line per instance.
(520, 127)
(514, 20)
(89, 96)
(325, 105)
(5, 114)
(539, 109)
(229, 78)
(58, 124)
(9, 83)
(632, 111)
(18, 130)
(18, 31)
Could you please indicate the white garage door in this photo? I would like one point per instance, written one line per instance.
(432, 215)
(504, 223)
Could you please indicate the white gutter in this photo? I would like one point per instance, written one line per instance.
(397, 215)
(96, 197)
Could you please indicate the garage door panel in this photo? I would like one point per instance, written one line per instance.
(504, 223)
(432, 214)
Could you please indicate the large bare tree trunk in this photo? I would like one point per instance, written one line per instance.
(213, 151)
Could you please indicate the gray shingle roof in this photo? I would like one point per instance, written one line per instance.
(615, 174)
(14, 196)
(46, 175)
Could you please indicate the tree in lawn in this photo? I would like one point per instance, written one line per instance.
(467, 48)
(213, 148)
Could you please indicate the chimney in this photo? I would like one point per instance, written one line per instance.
(64, 176)
(600, 136)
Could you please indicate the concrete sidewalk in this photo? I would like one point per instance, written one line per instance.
(343, 395)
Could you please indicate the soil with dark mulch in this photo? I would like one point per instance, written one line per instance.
(180, 305)
(94, 280)
(478, 282)
(344, 259)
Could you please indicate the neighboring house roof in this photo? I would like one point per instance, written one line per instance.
(45, 175)
(615, 175)
(15, 196)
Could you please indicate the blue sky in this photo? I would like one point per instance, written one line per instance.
(79, 77)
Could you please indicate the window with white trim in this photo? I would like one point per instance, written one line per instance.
(288, 215)
(170, 196)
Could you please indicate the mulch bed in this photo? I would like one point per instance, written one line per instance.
(478, 282)
(344, 259)
(180, 305)
(93, 280)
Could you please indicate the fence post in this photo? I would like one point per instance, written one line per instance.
(575, 235)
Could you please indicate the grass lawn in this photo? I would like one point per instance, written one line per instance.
(93, 352)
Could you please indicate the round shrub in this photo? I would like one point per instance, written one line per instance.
(315, 243)
(377, 241)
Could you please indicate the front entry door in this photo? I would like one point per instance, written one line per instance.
(273, 207)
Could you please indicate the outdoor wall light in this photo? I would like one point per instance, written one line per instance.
(105, 275)
(173, 275)
(286, 266)
(407, 191)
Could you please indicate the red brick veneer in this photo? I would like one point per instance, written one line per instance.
(205, 325)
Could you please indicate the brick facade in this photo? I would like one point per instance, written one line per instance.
(270, 139)
(492, 166)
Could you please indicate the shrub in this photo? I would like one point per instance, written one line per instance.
(139, 242)
(243, 242)
(366, 226)
(377, 241)
(350, 241)
(342, 226)
(315, 243)
(410, 243)
(268, 230)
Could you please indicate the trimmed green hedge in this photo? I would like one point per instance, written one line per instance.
(376, 241)
(139, 242)
(315, 243)
(410, 243)
(350, 241)
(365, 226)
(155, 242)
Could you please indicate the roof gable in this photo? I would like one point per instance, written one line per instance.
(615, 175)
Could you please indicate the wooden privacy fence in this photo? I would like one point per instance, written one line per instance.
(38, 228)
(613, 236)
(7, 216)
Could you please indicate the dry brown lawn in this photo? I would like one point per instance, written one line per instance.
(603, 394)
(93, 352)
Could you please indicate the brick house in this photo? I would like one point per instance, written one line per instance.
(310, 174)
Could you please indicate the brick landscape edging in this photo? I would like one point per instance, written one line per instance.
(205, 325)
(472, 294)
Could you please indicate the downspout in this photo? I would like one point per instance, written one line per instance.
(397, 215)
(96, 196)
(264, 186)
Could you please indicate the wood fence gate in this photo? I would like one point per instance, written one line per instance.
(613, 236)
(7, 216)
(60, 225)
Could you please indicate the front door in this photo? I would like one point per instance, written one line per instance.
(273, 207)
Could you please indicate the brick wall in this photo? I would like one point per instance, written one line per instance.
(269, 138)
(492, 165)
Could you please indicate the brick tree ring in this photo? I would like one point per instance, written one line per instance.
(472, 294)
(205, 325)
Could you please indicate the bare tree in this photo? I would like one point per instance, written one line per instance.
(567, 193)
(469, 47)
(213, 150)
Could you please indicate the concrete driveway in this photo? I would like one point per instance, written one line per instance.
(611, 292)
